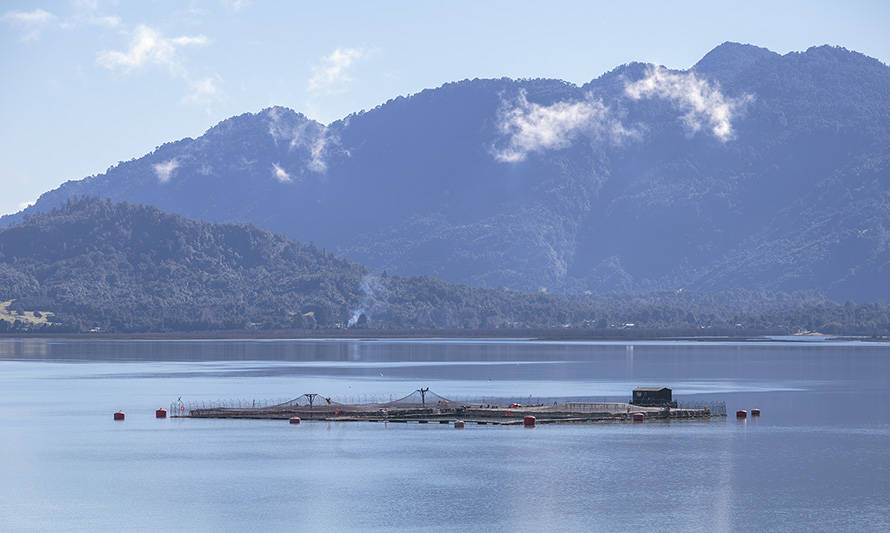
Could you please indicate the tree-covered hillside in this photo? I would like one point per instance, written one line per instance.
(123, 267)
(92, 265)
(95, 265)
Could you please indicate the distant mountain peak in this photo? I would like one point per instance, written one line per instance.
(829, 50)
(839, 54)
(730, 58)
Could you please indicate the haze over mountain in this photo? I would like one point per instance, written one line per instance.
(750, 170)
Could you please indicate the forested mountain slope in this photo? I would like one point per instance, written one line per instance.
(91, 265)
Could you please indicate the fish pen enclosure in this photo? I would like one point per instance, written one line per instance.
(425, 406)
(716, 408)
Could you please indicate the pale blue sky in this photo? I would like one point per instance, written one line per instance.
(88, 83)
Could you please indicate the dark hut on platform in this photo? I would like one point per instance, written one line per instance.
(653, 397)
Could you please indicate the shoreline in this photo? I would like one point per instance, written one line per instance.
(537, 334)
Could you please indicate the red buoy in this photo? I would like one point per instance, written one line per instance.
(161, 413)
(529, 421)
(741, 413)
(755, 412)
(458, 424)
(639, 417)
(295, 420)
(119, 415)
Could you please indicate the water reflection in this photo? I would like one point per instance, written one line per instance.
(30, 348)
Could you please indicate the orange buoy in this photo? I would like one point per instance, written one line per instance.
(161, 413)
(458, 424)
(755, 412)
(295, 420)
(529, 421)
(639, 417)
(119, 415)
(741, 413)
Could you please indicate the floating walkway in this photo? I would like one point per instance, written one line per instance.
(425, 407)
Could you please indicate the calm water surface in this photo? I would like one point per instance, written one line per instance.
(817, 460)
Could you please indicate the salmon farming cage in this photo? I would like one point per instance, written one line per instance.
(425, 398)
(599, 407)
(181, 408)
(422, 397)
(716, 408)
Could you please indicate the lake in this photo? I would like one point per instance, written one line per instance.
(818, 459)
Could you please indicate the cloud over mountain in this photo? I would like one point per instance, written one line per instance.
(164, 171)
(702, 101)
(280, 174)
(310, 136)
(530, 127)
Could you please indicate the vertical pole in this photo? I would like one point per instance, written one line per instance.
(422, 392)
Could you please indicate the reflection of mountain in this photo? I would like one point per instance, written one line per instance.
(751, 170)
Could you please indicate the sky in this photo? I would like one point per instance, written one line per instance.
(88, 83)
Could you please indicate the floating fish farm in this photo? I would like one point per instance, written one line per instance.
(424, 406)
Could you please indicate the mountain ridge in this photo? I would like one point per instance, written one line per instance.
(642, 179)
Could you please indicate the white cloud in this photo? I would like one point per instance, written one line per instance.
(25, 205)
(204, 91)
(531, 127)
(86, 13)
(108, 21)
(333, 70)
(188, 40)
(238, 5)
(87, 4)
(280, 174)
(703, 102)
(37, 16)
(164, 171)
(311, 136)
(317, 161)
(30, 23)
(149, 47)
